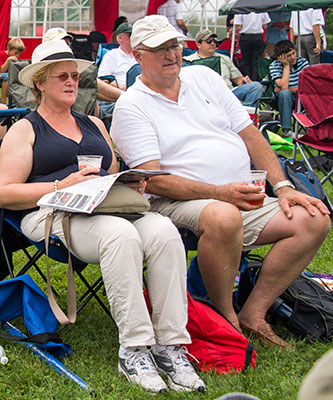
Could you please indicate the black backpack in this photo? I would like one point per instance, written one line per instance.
(312, 309)
(305, 308)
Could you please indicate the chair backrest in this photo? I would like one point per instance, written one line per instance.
(211, 62)
(81, 46)
(327, 56)
(315, 92)
(22, 96)
(103, 48)
(225, 52)
(187, 51)
(132, 73)
(96, 38)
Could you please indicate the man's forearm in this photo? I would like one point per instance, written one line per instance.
(107, 92)
(262, 155)
(178, 188)
(316, 34)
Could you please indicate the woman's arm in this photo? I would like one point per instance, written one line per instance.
(16, 160)
(16, 155)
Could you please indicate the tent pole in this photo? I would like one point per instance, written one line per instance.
(45, 15)
(233, 41)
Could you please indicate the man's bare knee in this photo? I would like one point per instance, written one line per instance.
(220, 218)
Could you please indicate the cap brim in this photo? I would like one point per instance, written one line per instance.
(26, 74)
(162, 37)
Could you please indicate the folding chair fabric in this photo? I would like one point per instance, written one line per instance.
(212, 62)
(103, 48)
(315, 92)
(57, 251)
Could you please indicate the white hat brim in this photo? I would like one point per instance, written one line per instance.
(26, 74)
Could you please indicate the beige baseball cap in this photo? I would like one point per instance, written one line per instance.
(152, 31)
(204, 34)
(56, 34)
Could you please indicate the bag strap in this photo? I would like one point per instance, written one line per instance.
(71, 293)
(41, 338)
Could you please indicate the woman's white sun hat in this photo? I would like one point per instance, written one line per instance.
(49, 53)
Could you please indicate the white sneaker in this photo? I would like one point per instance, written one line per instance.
(181, 376)
(139, 367)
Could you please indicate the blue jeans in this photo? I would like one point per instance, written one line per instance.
(106, 108)
(249, 93)
(286, 101)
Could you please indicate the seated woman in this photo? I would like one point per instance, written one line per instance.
(38, 155)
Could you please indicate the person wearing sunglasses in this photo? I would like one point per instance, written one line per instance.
(242, 87)
(38, 156)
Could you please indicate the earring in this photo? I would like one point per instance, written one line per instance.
(43, 97)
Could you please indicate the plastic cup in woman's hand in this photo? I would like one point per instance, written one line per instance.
(94, 161)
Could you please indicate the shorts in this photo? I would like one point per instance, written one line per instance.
(185, 214)
(4, 77)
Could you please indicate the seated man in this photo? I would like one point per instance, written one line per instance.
(284, 71)
(106, 94)
(186, 121)
(246, 90)
(118, 61)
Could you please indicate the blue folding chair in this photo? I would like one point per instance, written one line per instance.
(103, 48)
(12, 238)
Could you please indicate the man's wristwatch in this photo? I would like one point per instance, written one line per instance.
(281, 184)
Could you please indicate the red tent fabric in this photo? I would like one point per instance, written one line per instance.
(106, 12)
(4, 23)
(153, 6)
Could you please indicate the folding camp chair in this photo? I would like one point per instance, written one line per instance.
(13, 239)
(103, 48)
(315, 95)
(21, 96)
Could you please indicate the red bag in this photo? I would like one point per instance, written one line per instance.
(216, 343)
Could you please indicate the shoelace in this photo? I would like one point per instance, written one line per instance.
(143, 360)
(178, 355)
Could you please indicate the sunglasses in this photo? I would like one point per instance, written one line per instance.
(209, 41)
(64, 76)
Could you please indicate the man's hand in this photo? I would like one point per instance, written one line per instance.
(283, 59)
(239, 194)
(246, 79)
(289, 197)
(317, 49)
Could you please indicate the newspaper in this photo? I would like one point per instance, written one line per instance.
(85, 196)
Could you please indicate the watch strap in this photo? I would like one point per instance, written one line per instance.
(281, 184)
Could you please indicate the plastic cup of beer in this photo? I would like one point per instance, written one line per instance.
(89, 161)
(256, 178)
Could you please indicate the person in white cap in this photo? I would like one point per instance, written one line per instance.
(38, 156)
(186, 121)
(57, 33)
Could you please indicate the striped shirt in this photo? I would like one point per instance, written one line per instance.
(276, 70)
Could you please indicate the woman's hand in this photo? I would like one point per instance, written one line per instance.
(82, 175)
(140, 186)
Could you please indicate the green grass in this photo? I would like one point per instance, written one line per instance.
(94, 338)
